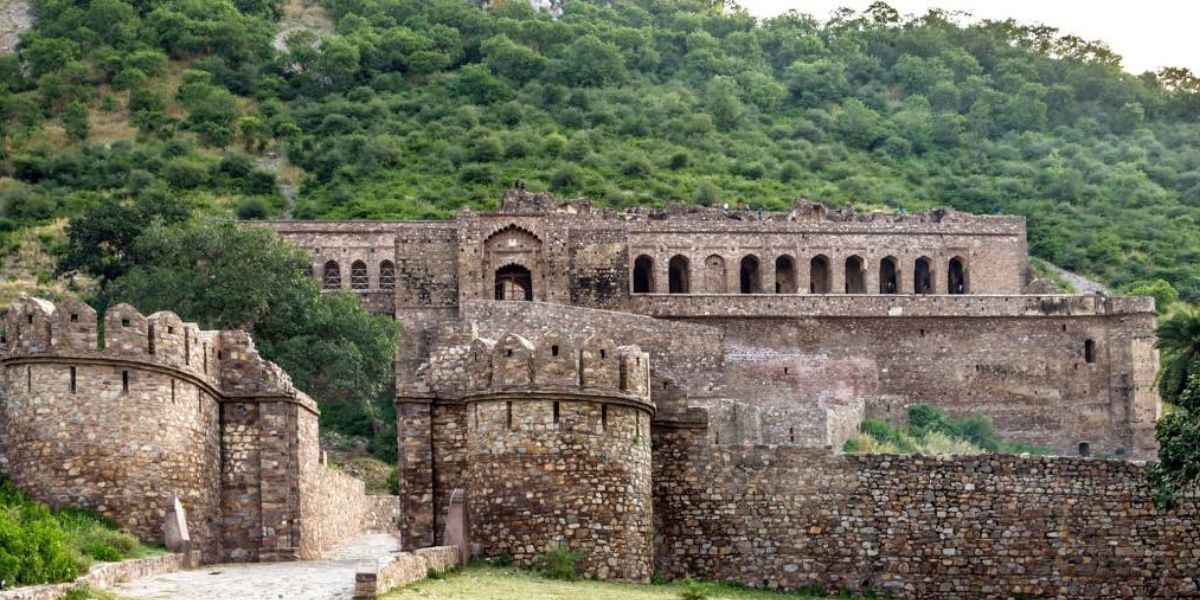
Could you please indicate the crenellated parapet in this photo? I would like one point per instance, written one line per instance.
(557, 364)
(123, 413)
(72, 332)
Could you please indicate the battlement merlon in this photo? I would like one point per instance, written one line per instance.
(226, 361)
(554, 366)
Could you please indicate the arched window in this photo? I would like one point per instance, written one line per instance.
(643, 275)
(751, 279)
(679, 279)
(1089, 351)
(331, 276)
(514, 282)
(819, 280)
(856, 275)
(923, 276)
(358, 275)
(889, 276)
(387, 275)
(714, 274)
(785, 275)
(957, 276)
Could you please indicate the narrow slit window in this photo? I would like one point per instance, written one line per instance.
(556, 414)
(1089, 351)
(603, 353)
(508, 407)
(124, 382)
(72, 380)
(792, 435)
(172, 391)
(28, 379)
(603, 417)
(150, 339)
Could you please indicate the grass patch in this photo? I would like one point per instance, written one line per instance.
(38, 545)
(496, 583)
(1042, 270)
(931, 431)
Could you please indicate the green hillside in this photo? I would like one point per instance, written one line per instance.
(411, 108)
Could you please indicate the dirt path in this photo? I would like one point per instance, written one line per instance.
(331, 578)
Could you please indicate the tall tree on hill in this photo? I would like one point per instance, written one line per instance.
(1178, 433)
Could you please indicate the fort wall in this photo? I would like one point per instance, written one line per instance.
(163, 410)
(985, 526)
(556, 458)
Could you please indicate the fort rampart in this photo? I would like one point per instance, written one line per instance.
(984, 526)
(124, 417)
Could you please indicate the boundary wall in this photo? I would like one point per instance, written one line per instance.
(157, 409)
(988, 526)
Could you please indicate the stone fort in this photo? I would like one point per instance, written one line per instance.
(666, 391)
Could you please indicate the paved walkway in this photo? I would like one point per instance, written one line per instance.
(331, 578)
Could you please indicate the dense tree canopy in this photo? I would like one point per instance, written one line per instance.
(410, 108)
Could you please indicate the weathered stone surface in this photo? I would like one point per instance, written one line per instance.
(917, 527)
(164, 415)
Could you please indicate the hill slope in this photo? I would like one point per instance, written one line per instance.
(414, 107)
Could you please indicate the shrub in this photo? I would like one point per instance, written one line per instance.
(250, 209)
(692, 590)
(559, 562)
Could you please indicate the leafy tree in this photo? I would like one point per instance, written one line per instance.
(100, 240)
(1179, 342)
(226, 276)
(75, 121)
(1178, 434)
(721, 101)
(589, 61)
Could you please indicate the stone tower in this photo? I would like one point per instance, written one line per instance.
(558, 451)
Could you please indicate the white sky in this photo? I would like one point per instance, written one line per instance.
(1148, 34)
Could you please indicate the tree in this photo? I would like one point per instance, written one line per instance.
(223, 275)
(721, 101)
(1179, 342)
(100, 240)
(75, 121)
(591, 62)
(1178, 435)
(476, 83)
(510, 60)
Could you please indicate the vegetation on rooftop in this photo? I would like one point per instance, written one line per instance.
(931, 431)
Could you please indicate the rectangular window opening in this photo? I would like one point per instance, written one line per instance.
(72, 380)
(604, 417)
(74, 317)
(124, 382)
(508, 408)
(556, 413)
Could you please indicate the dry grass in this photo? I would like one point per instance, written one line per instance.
(488, 583)
(26, 270)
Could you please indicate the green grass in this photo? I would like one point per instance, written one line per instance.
(1045, 272)
(492, 583)
(930, 431)
(39, 545)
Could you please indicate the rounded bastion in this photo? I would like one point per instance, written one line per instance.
(558, 452)
(118, 428)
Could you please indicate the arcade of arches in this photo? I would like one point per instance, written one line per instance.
(855, 276)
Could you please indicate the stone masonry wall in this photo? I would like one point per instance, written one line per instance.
(161, 409)
(575, 482)
(558, 451)
(123, 442)
(917, 527)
